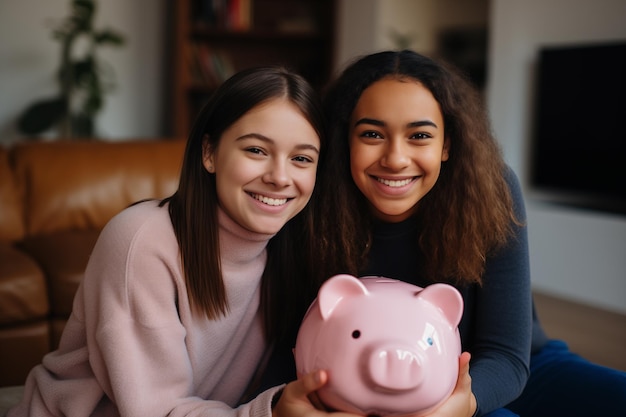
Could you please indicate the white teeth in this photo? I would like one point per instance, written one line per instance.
(269, 201)
(393, 183)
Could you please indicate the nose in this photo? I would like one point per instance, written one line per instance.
(395, 156)
(277, 173)
(395, 368)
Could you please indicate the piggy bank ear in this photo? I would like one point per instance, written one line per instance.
(336, 289)
(447, 298)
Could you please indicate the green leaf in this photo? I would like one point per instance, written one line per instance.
(84, 10)
(93, 103)
(41, 116)
(108, 36)
(82, 126)
(83, 71)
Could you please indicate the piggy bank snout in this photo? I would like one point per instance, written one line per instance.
(394, 368)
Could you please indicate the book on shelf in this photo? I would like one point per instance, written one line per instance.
(234, 15)
(208, 67)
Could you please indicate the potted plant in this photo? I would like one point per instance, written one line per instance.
(83, 78)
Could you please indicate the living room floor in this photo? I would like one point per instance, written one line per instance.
(593, 333)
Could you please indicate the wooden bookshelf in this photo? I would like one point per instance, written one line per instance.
(214, 38)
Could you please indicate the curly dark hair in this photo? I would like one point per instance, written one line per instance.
(469, 211)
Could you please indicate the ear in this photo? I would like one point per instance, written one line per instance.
(336, 289)
(447, 298)
(208, 155)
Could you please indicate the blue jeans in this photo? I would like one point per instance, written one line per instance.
(562, 384)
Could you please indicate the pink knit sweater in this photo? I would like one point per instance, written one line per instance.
(132, 346)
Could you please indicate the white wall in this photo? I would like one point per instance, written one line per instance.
(29, 58)
(577, 254)
(365, 26)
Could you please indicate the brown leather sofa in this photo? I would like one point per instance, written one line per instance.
(55, 197)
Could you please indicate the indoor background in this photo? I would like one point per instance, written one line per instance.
(576, 254)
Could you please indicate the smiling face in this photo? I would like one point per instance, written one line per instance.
(265, 165)
(396, 146)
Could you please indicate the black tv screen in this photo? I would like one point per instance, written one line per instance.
(578, 153)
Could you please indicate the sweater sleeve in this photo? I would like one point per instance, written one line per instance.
(503, 320)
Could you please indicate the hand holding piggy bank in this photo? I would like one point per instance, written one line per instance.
(390, 348)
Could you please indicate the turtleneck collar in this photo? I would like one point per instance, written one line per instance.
(239, 245)
(386, 230)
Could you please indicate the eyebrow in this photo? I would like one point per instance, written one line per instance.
(376, 122)
(270, 141)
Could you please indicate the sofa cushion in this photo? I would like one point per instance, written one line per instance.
(23, 294)
(82, 185)
(63, 256)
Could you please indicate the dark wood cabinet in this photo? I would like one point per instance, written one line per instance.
(212, 39)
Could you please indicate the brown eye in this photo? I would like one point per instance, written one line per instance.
(372, 135)
(421, 135)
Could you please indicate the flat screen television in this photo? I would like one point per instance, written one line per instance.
(578, 150)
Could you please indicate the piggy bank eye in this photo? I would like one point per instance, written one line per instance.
(356, 334)
(429, 337)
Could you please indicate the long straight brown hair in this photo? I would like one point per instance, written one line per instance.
(287, 286)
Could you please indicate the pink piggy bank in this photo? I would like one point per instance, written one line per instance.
(390, 348)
